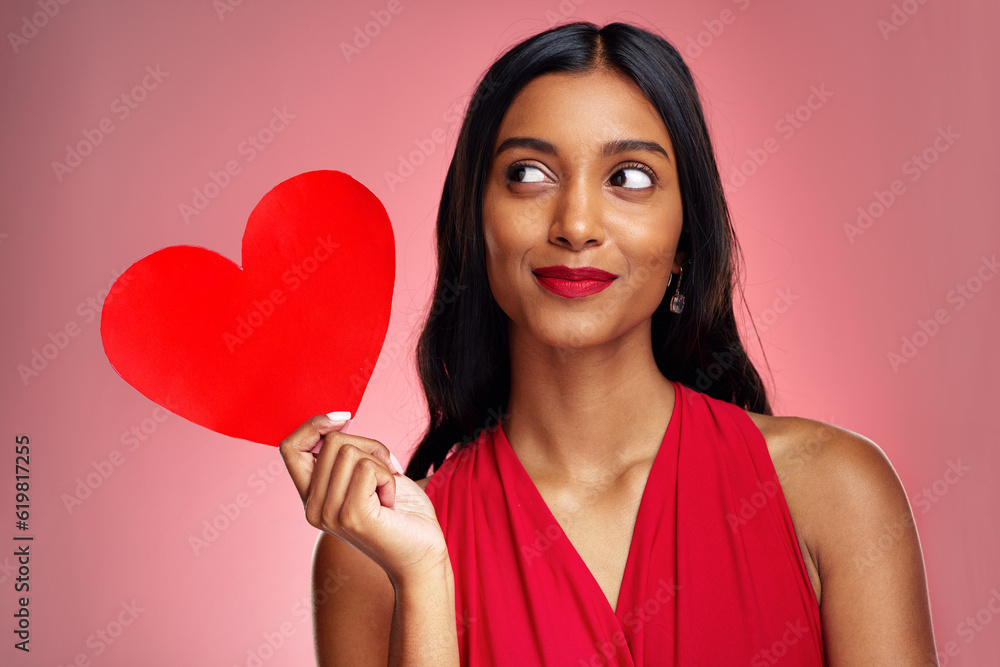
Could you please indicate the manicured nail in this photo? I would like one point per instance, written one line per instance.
(395, 462)
(338, 417)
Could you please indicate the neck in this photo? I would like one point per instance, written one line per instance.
(588, 412)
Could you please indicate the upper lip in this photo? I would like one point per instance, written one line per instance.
(579, 273)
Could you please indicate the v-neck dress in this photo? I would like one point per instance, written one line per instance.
(714, 574)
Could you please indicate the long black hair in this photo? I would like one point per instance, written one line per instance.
(462, 355)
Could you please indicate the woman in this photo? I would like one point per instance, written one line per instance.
(613, 494)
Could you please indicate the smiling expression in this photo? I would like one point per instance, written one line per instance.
(582, 209)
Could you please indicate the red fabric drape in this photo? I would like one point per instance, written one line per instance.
(714, 573)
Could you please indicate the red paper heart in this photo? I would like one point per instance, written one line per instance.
(254, 352)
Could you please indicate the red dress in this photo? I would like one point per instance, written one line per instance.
(714, 574)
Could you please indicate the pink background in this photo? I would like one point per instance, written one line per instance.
(829, 310)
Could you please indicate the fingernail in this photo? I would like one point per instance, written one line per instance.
(395, 462)
(338, 417)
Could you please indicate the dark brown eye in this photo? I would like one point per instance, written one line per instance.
(632, 178)
(524, 173)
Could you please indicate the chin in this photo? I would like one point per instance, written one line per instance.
(576, 334)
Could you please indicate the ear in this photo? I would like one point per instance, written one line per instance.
(679, 261)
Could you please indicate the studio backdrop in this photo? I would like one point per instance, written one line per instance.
(857, 142)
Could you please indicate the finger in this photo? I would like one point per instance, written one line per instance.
(373, 448)
(295, 449)
(334, 467)
(394, 465)
(326, 498)
(336, 417)
(331, 476)
(364, 498)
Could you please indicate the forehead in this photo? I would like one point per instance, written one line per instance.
(591, 108)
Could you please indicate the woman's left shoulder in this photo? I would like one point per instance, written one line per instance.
(823, 452)
(825, 472)
(851, 512)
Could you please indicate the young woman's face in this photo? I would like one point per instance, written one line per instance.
(583, 175)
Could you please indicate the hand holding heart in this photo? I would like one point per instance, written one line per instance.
(250, 352)
(349, 490)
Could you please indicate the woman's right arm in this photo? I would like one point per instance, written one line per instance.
(383, 588)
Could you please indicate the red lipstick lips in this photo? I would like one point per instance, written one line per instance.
(573, 283)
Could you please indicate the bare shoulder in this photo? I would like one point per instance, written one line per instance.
(825, 470)
(821, 453)
(854, 520)
(828, 469)
(353, 602)
(422, 483)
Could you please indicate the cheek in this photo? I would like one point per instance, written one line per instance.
(505, 243)
(503, 271)
(650, 248)
(494, 248)
(500, 260)
(493, 223)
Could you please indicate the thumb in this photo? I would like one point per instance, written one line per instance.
(340, 421)
(298, 449)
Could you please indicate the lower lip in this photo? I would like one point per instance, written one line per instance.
(573, 289)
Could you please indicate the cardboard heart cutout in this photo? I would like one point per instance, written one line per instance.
(254, 352)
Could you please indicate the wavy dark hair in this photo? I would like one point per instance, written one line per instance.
(462, 355)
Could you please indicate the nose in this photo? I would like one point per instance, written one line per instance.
(578, 218)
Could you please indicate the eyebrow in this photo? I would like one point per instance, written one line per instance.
(610, 148)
